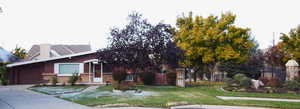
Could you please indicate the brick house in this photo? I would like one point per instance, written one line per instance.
(48, 61)
(38, 71)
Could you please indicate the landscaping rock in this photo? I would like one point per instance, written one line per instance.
(169, 104)
(241, 90)
(117, 91)
(234, 85)
(256, 83)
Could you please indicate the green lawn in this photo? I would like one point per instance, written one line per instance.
(193, 95)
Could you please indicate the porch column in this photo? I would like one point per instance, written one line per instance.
(90, 72)
(102, 72)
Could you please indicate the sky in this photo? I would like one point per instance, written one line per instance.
(28, 22)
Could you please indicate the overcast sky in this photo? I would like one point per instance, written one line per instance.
(28, 22)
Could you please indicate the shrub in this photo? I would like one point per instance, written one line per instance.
(73, 79)
(245, 82)
(148, 78)
(242, 80)
(119, 75)
(264, 80)
(229, 81)
(171, 78)
(54, 81)
(297, 79)
(292, 85)
(238, 77)
(4, 81)
(204, 83)
(274, 82)
(3, 72)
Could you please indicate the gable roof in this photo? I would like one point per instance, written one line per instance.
(58, 50)
(49, 59)
(6, 56)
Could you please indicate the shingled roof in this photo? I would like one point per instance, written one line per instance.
(60, 50)
(6, 56)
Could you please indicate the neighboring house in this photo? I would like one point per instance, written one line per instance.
(44, 51)
(6, 56)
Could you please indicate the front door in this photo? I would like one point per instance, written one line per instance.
(97, 73)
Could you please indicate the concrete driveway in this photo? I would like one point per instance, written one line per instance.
(17, 97)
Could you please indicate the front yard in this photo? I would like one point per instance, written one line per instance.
(161, 95)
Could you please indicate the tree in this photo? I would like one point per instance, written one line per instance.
(208, 41)
(138, 45)
(173, 55)
(275, 55)
(19, 52)
(252, 67)
(291, 44)
(3, 74)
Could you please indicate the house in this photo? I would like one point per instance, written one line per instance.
(85, 64)
(50, 62)
(7, 57)
(46, 61)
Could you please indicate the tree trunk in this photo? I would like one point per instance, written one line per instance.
(195, 77)
(213, 68)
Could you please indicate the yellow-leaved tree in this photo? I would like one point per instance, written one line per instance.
(208, 41)
(291, 45)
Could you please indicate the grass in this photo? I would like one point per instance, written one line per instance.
(192, 95)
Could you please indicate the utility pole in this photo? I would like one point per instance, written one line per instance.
(273, 45)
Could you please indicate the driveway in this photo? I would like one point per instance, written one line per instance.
(17, 97)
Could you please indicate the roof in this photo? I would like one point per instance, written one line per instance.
(6, 56)
(59, 50)
(292, 63)
(49, 59)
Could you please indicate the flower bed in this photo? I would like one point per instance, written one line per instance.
(113, 94)
(204, 83)
(54, 90)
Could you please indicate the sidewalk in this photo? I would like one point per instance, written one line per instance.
(214, 107)
(194, 107)
(260, 99)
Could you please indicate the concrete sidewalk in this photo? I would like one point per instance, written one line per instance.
(194, 107)
(18, 97)
(259, 99)
(214, 107)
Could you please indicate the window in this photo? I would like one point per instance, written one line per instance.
(67, 69)
(129, 78)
